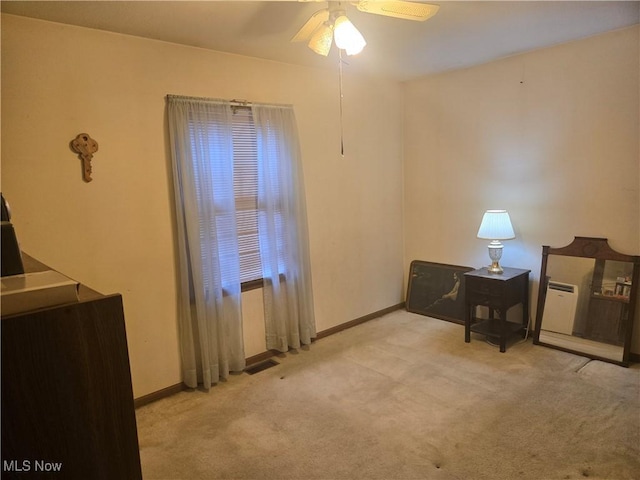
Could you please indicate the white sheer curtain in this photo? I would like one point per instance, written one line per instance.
(209, 290)
(283, 231)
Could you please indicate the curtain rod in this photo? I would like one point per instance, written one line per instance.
(240, 104)
(236, 103)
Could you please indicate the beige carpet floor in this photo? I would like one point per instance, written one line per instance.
(403, 397)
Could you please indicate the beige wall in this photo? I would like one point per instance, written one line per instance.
(115, 234)
(551, 136)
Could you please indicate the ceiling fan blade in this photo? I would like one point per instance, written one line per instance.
(311, 26)
(399, 9)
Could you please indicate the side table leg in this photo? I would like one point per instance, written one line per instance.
(503, 331)
(525, 306)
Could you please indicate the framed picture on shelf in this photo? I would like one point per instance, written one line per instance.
(437, 290)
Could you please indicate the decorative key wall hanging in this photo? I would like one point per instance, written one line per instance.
(85, 147)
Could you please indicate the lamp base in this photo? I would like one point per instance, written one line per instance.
(495, 254)
(495, 268)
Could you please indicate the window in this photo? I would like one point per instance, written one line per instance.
(207, 133)
(241, 221)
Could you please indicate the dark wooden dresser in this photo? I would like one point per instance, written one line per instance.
(67, 400)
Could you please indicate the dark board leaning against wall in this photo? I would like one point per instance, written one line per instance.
(437, 290)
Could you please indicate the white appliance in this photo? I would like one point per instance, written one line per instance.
(560, 307)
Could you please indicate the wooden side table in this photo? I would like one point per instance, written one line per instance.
(498, 292)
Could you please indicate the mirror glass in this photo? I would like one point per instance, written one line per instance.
(586, 305)
(587, 299)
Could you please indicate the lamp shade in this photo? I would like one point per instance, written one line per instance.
(496, 225)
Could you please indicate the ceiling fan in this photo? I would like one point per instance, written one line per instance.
(331, 23)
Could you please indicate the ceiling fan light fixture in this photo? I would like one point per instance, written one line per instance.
(347, 36)
(321, 39)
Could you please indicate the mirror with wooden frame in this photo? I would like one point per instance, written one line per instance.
(587, 300)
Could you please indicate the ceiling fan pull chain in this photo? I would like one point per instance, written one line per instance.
(341, 124)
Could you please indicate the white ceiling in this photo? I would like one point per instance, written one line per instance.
(461, 34)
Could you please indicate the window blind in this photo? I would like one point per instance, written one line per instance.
(245, 185)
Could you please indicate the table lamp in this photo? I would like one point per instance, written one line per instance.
(495, 226)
